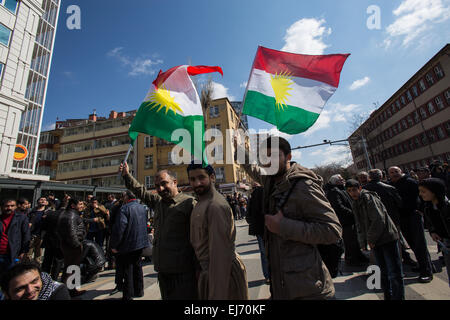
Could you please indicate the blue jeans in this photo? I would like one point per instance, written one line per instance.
(390, 263)
(264, 263)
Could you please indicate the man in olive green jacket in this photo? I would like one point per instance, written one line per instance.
(294, 230)
(173, 255)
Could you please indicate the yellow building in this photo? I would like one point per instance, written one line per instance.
(154, 153)
(91, 150)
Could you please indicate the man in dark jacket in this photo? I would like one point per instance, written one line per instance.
(128, 239)
(36, 218)
(255, 220)
(376, 229)
(25, 281)
(393, 203)
(71, 233)
(173, 255)
(53, 256)
(341, 203)
(411, 222)
(14, 235)
(92, 260)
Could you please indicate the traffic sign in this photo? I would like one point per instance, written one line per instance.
(20, 153)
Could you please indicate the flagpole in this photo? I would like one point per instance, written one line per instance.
(126, 158)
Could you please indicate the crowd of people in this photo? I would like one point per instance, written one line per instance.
(302, 227)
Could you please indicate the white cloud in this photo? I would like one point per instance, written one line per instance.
(138, 66)
(48, 127)
(359, 83)
(296, 155)
(220, 91)
(275, 132)
(333, 154)
(306, 36)
(243, 84)
(414, 18)
(322, 122)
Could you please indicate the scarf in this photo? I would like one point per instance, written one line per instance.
(48, 286)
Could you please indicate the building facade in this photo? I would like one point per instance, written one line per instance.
(27, 34)
(412, 128)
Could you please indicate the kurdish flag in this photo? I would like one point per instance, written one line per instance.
(173, 103)
(290, 90)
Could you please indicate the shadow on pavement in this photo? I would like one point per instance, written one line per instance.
(243, 253)
(256, 283)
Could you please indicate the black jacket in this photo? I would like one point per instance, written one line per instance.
(71, 229)
(408, 189)
(438, 219)
(341, 203)
(255, 213)
(390, 198)
(93, 254)
(49, 229)
(18, 235)
(129, 232)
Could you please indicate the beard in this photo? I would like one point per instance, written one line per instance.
(202, 190)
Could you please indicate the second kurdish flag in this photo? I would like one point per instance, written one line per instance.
(290, 90)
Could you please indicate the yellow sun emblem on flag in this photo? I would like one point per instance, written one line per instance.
(161, 98)
(281, 84)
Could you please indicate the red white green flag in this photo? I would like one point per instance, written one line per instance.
(290, 90)
(173, 103)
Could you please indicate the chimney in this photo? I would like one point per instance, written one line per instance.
(113, 115)
(93, 117)
(122, 115)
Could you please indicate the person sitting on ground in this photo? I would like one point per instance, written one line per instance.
(25, 281)
(92, 261)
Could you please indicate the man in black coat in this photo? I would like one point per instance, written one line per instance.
(393, 203)
(411, 222)
(92, 261)
(342, 205)
(71, 231)
(128, 238)
(14, 235)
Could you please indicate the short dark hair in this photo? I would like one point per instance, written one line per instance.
(129, 194)
(350, 183)
(94, 199)
(169, 173)
(22, 200)
(72, 201)
(5, 201)
(283, 144)
(16, 271)
(194, 166)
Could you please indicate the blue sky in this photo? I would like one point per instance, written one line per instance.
(111, 61)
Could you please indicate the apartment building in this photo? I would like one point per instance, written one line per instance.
(412, 128)
(27, 34)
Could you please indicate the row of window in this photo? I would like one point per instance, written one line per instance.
(96, 144)
(98, 126)
(91, 164)
(431, 77)
(421, 140)
(435, 105)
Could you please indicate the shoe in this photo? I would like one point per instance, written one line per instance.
(425, 279)
(139, 295)
(115, 290)
(415, 269)
(76, 293)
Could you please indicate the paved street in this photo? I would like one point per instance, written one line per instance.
(350, 285)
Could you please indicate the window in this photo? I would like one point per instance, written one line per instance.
(416, 117)
(214, 111)
(447, 128)
(403, 100)
(148, 142)
(11, 5)
(1, 69)
(438, 72)
(405, 146)
(389, 113)
(408, 95)
(424, 139)
(423, 113)
(410, 121)
(390, 132)
(431, 108)
(404, 124)
(220, 174)
(422, 85)
(415, 92)
(411, 144)
(430, 79)
(440, 132)
(439, 102)
(399, 127)
(431, 136)
(148, 162)
(417, 142)
(5, 34)
(447, 96)
(149, 182)
(394, 128)
(393, 108)
(398, 104)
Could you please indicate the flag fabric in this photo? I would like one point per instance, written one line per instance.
(173, 103)
(290, 90)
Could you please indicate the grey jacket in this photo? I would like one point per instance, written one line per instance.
(373, 223)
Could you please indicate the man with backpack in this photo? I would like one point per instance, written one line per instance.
(298, 217)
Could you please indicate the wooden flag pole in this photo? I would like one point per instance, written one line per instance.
(126, 158)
